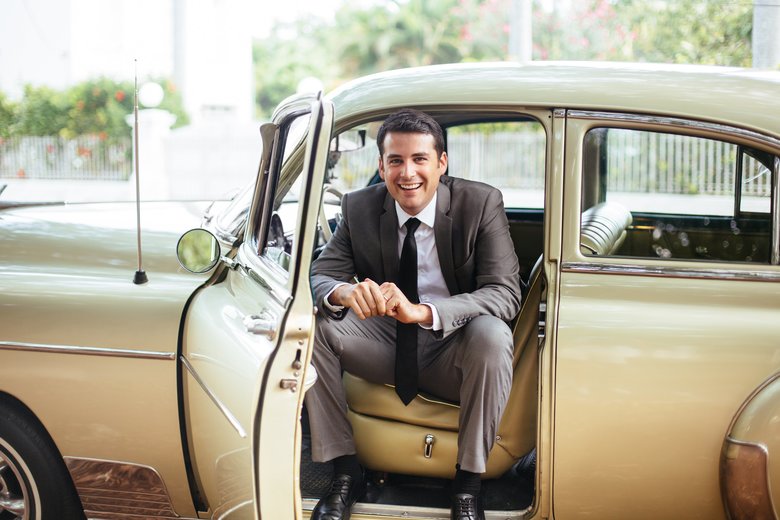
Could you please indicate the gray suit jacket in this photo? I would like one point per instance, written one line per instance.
(475, 250)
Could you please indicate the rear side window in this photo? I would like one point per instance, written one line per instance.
(690, 198)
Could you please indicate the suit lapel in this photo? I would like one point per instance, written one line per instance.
(442, 229)
(388, 239)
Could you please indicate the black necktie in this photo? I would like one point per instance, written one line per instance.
(406, 333)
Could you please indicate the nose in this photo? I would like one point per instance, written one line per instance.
(408, 169)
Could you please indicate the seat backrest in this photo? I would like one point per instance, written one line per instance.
(517, 429)
(603, 228)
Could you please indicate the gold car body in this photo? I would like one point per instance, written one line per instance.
(644, 370)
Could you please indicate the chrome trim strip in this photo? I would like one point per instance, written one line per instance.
(675, 122)
(671, 272)
(382, 510)
(222, 408)
(760, 446)
(776, 213)
(768, 381)
(86, 351)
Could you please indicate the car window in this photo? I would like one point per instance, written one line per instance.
(688, 197)
(352, 166)
(506, 154)
(509, 155)
(280, 229)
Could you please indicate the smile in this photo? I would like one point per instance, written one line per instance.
(410, 186)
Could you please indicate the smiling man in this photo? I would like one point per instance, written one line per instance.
(438, 282)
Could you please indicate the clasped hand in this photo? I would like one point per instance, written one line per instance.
(368, 299)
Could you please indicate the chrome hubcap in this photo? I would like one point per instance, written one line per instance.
(13, 494)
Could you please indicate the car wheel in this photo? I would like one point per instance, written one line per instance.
(34, 483)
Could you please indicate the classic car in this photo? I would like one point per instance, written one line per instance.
(643, 203)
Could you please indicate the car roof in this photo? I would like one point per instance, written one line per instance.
(737, 96)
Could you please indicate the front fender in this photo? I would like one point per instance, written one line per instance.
(750, 459)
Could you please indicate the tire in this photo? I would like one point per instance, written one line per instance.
(34, 483)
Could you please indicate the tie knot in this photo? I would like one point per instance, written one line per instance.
(411, 225)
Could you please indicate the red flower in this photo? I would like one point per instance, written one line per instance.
(102, 136)
(120, 95)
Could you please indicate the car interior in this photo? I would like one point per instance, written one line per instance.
(410, 451)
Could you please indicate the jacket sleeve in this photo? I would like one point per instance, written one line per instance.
(495, 269)
(335, 264)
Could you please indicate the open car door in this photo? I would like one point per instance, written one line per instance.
(248, 333)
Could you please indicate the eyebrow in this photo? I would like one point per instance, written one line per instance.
(415, 154)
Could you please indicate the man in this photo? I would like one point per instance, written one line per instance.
(438, 282)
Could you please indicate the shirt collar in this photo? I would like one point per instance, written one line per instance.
(427, 216)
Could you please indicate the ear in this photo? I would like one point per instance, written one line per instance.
(381, 168)
(443, 161)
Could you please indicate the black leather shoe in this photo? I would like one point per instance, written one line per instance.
(338, 501)
(466, 507)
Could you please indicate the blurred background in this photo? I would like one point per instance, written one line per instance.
(211, 71)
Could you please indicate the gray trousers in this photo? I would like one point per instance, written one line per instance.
(472, 366)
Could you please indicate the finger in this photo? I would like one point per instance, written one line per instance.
(365, 308)
(378, 299)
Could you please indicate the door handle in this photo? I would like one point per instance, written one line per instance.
(263, 323)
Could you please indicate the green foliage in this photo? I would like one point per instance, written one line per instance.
(42, 111)
(366, 38)
(7, 115)
(95, 107)
(712, 32)
(99, 107)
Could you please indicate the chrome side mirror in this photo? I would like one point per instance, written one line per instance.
(198, 251)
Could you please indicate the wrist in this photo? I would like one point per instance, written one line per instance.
(425, 315)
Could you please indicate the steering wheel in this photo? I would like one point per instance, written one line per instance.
(324, 224)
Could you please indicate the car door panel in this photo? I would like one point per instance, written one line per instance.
(653, 357)
(246, 346)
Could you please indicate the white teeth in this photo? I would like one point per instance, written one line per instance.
(410, 186)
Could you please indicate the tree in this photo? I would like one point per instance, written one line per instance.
(711, 32)
(402, 33)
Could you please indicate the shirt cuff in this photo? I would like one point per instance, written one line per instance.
(436, 325)
(330, 306)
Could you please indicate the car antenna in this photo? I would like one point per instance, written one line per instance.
(140, 275)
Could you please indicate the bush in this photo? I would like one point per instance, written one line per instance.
(96, 107)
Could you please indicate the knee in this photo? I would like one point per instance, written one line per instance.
(489, 343)
(326, 337)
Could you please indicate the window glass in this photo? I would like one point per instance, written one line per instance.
(663, 195)
(653, 171)
(281, 224)
(353, 159)
(756, 182)
(507, 155)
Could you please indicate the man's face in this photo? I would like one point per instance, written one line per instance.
(411, 169)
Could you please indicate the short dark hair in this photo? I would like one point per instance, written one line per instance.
(409, 120)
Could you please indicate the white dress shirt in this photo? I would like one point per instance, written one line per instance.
(430, 280)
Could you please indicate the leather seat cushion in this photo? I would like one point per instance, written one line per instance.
(381, 401)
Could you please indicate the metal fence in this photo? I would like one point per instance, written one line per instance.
(650, 162)
(55, 158)
(639, 162)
